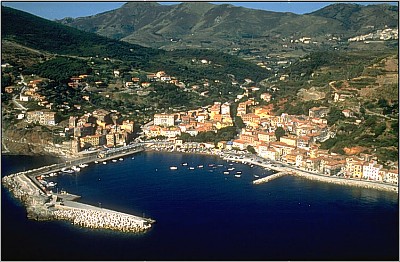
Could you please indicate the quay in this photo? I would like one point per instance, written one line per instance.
(294, 171)
(46, 205)
(269, 178)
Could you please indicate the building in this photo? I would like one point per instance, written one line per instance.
(164, 119)
(41, 117)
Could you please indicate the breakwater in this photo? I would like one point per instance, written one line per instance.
(269, 178)
(42, 204)
(99, 218)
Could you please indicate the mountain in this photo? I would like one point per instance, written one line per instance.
(48, 36)
(200, 24)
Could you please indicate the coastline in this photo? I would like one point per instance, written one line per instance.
(44, 205)
(292, 170)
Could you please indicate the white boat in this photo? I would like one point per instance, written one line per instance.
(239, 172)
(200, 166)
(232, 168)
(121, 159)
(256, 176)
(184, 164)
(104, 163)
(133, 157)
(191, 168)
(83, 165)
(237, 175)
(173, 167)
(226, 172)
(51, 184)
(96, 162)
(76, 169)
(220, 165)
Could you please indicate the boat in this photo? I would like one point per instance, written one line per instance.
(51, 184)
(256, 176)
(191, 168)
(173, 167)
(184, 164)
(220, 165)
(237, 175)
(83, 165)
(104, 163)
(210, 165)
(65, 170)
(75, 168)
(200, 166)
(121, 159)
(114, 160)
(226, 172)
(232, 168)
(96, 162)
(239, 172)
(133, 157)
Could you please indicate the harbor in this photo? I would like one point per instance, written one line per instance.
(43, 204)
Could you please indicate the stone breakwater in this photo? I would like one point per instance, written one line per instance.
(104, 219)
(43, 205)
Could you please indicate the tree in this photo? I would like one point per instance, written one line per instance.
(251, 149)
(239, 122)
(279, 132)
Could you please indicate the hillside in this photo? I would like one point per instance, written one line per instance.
(205, 25)
(50, 37)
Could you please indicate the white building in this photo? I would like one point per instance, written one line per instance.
(164, 119)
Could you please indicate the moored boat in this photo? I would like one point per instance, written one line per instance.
(173, 167)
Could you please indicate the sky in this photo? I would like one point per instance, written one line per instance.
(59, 10)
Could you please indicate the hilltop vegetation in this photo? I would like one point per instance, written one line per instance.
(47, 36)
(227, 27)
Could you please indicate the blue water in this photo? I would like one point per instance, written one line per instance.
(203, 214)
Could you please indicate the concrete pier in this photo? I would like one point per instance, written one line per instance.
(269, 178)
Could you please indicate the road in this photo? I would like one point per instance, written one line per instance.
(14, 99)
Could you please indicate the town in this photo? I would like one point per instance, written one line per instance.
(291, 139)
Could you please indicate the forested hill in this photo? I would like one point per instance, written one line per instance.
(190, 23)
(48, 36)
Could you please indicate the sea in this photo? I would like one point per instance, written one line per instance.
(204, 214)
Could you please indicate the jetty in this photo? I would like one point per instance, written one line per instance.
(42, 204)
(269, 178)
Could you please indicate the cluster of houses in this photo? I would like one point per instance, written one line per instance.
(192, 122)
(299, 146)
(99, 128)
(385, 34)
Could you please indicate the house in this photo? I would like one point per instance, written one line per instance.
(347, 113)
(240, 144)
(41, 117)
(266, 97)
(164, 119)
(371, 171)
(392, 176)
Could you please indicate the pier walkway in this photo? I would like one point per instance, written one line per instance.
(269, 178)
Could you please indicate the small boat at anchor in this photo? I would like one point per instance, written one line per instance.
(173, 167)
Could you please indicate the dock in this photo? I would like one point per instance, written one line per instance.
(269, 178)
